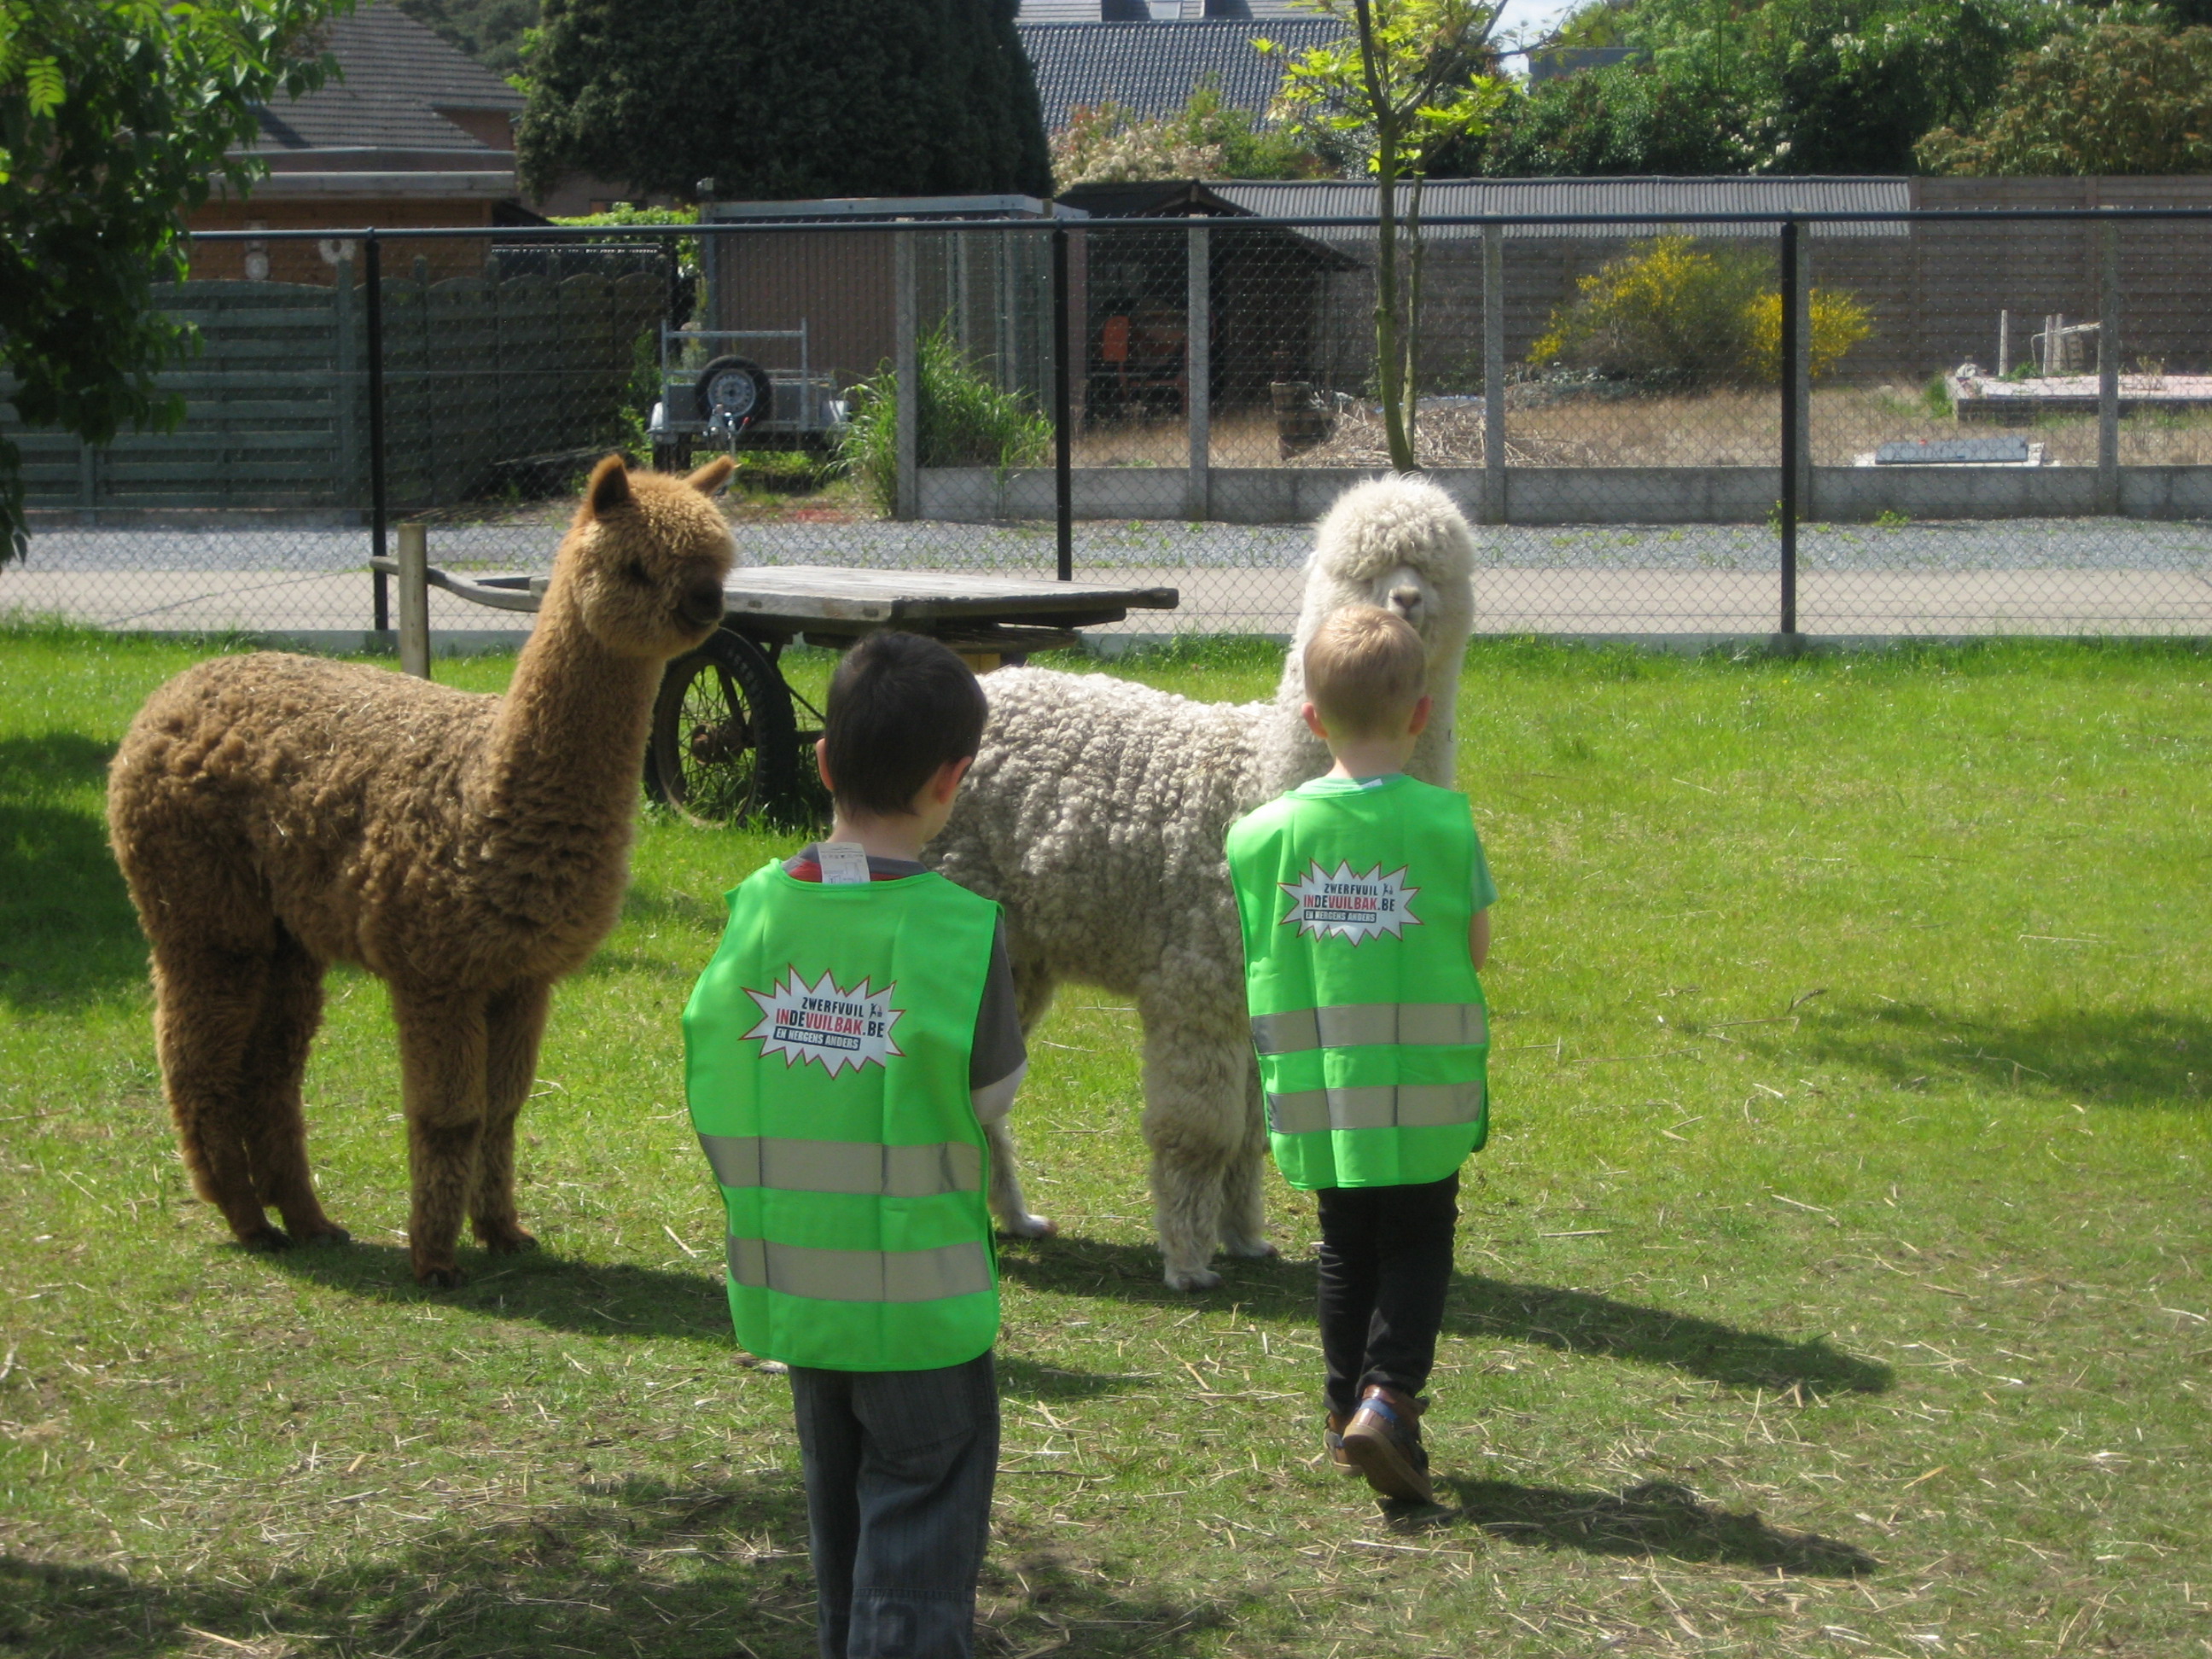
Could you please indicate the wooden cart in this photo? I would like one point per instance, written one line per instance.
(727, 743)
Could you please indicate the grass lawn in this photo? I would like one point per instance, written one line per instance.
(1833, 1282)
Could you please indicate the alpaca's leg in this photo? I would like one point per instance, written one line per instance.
(441, 1064)
(1243, 1208)
(513, 1025)
(1007, 1202)
(1195, 1107)
(207, 1003)
(273, 1121)
(1033, 990)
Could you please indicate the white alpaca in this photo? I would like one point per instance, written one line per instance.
(1094, 814)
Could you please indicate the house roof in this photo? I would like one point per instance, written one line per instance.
(1150, 68)
(395, 76)
(1672, 204)
(1093, 11)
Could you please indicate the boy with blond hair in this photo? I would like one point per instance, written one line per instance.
(1364, 902)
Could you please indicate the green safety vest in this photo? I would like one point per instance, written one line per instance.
(826, 1061)
(1368, 1021)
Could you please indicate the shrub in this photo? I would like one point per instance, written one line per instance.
(1839, 322)
(965, 420)
(1668, 312)
(1207, 138)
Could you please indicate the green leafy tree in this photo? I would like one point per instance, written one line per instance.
(1207, 138)
(2114, 98)
(117, 118)
(783, 99)
(1784, 87)
(1407, 78)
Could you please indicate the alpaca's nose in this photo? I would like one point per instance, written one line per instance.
(702, 603)
(1406, 601)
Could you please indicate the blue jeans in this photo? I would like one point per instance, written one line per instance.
(899, 1467)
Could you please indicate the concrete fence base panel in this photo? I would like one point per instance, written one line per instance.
(1580, 496)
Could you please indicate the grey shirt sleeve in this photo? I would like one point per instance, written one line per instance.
(1000, 1057)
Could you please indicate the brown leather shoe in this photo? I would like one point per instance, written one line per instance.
(1332, 1438)
(1383, 1441)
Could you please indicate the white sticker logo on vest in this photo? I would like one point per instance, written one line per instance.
(1351, 906)
(821, 1023)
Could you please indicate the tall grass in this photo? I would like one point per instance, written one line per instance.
(965, 420)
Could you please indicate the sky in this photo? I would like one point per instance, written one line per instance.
(1527, 19)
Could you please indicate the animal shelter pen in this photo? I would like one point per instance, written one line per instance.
(1664, 432)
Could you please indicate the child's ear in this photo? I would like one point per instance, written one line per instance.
(1312, 716)
(947, 783)
(1422, 710)
(822, 764)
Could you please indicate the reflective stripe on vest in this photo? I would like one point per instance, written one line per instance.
(861, 1275)
(1389, 1106)
(1371, 1025)
(844, 1166)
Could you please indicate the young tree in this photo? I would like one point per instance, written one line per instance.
(785, 98)
(117, 118)
(1407, 76)
(2117, 98)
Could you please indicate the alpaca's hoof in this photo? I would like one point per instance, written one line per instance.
(1029, 1226)
(266, 1239)
(1192, 1279)
(437, 1278)
(328, 1233)
(503, 1238)
(1255, 1249)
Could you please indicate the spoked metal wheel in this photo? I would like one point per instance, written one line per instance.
(723, 747)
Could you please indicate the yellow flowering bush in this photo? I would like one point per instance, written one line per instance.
(1671, 312)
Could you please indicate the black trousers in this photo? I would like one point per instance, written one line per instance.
(1386, 1262)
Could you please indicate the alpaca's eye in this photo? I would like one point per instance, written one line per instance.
(635, 571)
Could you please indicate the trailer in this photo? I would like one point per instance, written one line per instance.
(727, 743)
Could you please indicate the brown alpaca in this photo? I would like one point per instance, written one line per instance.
(274, 814)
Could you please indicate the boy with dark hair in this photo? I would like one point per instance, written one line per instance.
(1363, 900)
(853, 1034)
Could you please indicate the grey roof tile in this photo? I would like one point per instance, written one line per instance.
(397, 75)
(1150, 68)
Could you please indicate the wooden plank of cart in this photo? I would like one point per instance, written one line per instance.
(727, 744)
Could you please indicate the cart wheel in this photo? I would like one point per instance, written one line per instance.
(723, 747)
(736, 387)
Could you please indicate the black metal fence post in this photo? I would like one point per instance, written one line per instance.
(376, 503)
(1792, 438)
(1063, 434)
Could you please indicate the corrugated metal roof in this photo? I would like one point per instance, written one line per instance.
(1673, 202)
(1150, 68)
(397, 75)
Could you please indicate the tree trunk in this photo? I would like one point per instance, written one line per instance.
(1409, 383)
(1387, 367)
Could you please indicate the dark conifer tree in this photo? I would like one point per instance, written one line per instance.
(785, 98)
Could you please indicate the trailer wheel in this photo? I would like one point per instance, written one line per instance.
(737, 387)
(723, 747)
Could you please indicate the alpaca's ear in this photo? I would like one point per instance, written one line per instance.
(709, 479)
(608, 489)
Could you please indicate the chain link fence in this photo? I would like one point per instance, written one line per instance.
(1910, 424)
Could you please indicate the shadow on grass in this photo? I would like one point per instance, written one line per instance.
(1573, 1321)
(712, 1572)
(542, 1288)
(2111, 1057)
(68, 935)
(1655, 1518)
